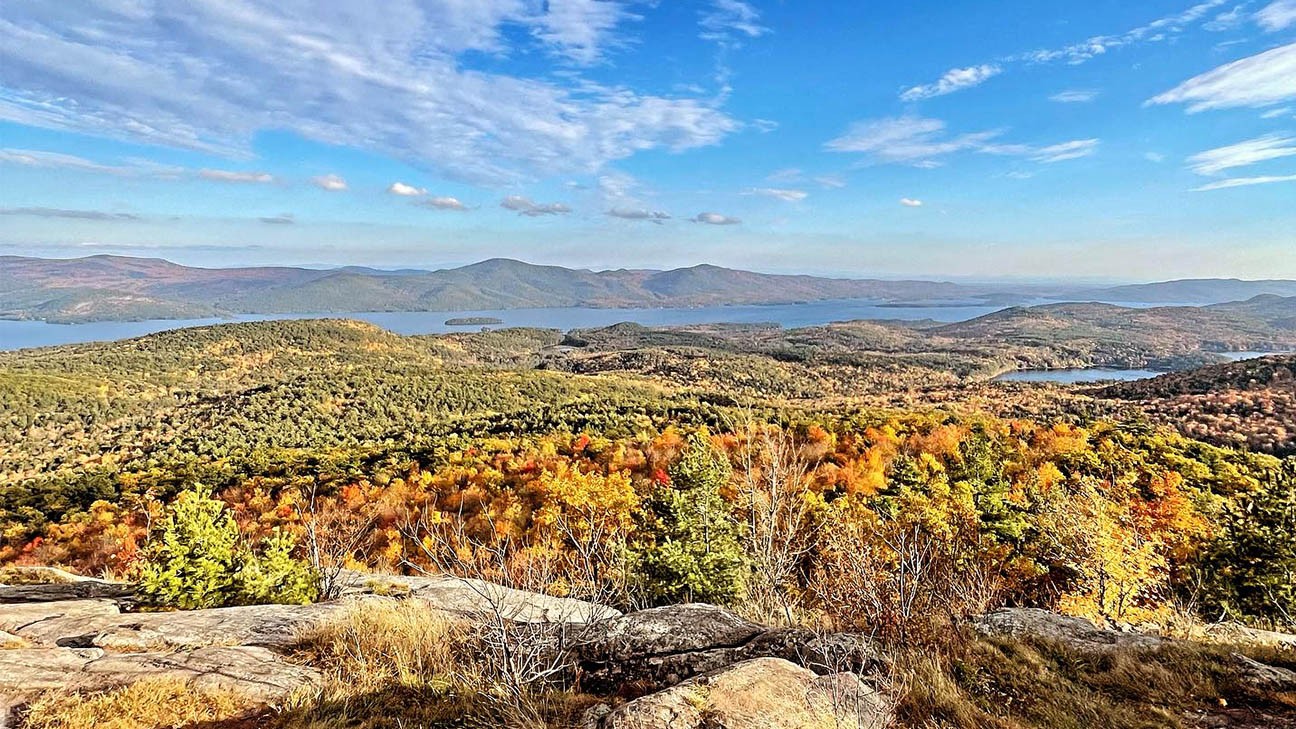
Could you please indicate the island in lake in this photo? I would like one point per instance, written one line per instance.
(469, 321)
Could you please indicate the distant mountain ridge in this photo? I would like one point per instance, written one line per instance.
(107, 287)
(117, 287)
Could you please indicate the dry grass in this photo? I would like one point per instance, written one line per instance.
(151, 704)
(395, 664)
(1002, 684)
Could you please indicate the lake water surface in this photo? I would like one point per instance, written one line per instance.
(23, 334)
(1098, 374)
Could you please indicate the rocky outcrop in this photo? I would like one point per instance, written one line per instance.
(84, 589)
(1076, 633)
(761, 693)
(1263, 677)
(659, 647)
(471, 597)
(254, 672)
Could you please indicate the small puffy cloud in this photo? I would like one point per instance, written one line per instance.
(400, 188)
(1156, 157)
(332, 183)
(444, 202)
(955, 79)
(1277, 15)
(1074, 96)
(652, 216)
(910, 202)
(715, 219)
(1242, 154)
(1067, 150)
(1244, 182)
(236, 177)
(530, 208)
(37, 212)
(281, 219)
(1264, 79)
(779, 193)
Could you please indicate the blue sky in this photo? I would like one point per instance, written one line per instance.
(1010, 139)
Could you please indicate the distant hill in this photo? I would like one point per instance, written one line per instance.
(1248, 404)
(1134, 337)
(116, 287)
(1195, 291)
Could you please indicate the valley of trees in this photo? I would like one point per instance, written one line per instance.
(753, 467)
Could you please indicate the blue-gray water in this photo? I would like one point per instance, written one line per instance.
(1098, 374)
(22, 334)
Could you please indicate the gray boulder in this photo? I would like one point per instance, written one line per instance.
(473, 597)
(659, 647)
(762, 693)
(1076, 633)
(1264, 677)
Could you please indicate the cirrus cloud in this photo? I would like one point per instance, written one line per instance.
(955, 79)
(383, 77)
(1261, 80)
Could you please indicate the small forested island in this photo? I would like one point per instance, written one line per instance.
(467, 321)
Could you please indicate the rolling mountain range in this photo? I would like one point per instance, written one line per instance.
(98, 288)
(114, 287)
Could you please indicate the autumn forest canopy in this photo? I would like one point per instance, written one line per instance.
(858, 474)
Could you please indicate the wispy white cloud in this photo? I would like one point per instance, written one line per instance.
(400, 188)
(1244, 182)
(1243, 154)
(723, 20)
(1277, 15)
(386, 77)
(332, 183)
(532, 209)
(1158, 30)
(1155, 157)
(1075, 96)
(955, 79)
(715, 219)
(1261, 80)
(444, 202)
(581, 30)
(59, 160)
(41, 212)
(236, 176)
(651, 216)
(911, 202)
(1277, 113)
(1065, 151)
(831, 182)
(921, 142)
(280, 219)
(1227, 20)
(779, 193)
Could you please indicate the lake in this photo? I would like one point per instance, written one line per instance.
(1098, 374)
(23, 334)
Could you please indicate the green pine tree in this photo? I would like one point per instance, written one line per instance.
(696, 554)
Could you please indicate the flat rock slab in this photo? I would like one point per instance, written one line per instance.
(1077, 633)
(84, 589)
(44, 622)
(254, 672)
(472, 597)
(274, 626)
(762, 693)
